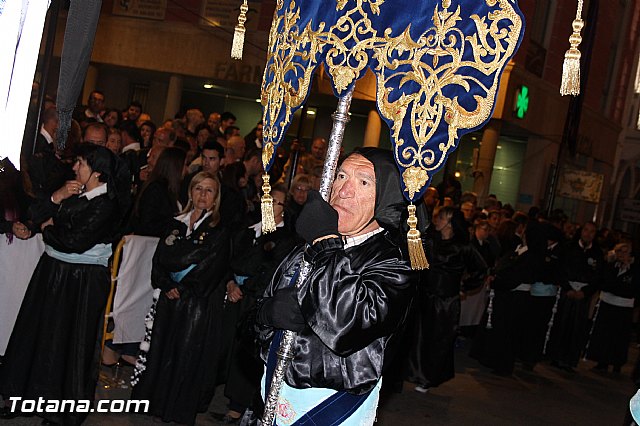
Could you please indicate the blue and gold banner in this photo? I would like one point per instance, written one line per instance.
(437, 66)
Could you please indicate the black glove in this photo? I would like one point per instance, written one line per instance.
(317, 219)
(282, 311)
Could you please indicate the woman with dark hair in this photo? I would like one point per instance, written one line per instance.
(112, 118)
(437, 306)
(157, 202)
(54, 348)
(147, 129)
(234, 206)
(178, 373)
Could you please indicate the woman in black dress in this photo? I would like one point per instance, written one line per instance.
(437, 306)
(178, 374)
(157, 201)
(55, 345)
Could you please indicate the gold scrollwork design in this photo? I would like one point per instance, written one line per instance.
(414, 77)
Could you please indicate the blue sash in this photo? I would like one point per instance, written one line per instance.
(333, 410)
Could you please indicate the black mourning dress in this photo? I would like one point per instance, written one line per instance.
(180, 375)
(437, 308)
(55, 345)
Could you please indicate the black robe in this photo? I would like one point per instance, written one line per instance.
(54, 349)
(497, 347)
(353, 302)
(257, 260)
(436, 312)
(571, 325)
(179, 380)
(609, 341)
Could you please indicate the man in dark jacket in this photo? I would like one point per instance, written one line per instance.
(353, 301)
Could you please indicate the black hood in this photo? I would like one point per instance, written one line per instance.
(390, 203)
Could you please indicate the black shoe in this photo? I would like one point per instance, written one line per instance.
(225, 419)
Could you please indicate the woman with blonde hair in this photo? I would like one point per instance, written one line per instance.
(177, 369)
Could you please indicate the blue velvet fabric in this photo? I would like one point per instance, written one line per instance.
(437, 36)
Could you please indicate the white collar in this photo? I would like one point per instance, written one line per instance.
(185, 218)
(357, 240)
(46, 135)
(132, 146)
(98, 190)
(257, 228)
(582, 245)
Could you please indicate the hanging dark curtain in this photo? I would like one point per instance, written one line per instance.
(79, 34)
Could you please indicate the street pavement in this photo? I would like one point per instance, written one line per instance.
(546, 396)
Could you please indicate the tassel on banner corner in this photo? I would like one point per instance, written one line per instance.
(237, 45)
(266, 206)
(570, 84)
(416, 250)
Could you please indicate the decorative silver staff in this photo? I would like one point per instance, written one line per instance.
(285, 352)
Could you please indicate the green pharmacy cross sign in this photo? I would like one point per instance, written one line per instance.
(522, 101)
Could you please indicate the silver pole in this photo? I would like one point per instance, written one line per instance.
(285, 351)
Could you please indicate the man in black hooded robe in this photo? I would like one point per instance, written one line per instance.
(354, 299)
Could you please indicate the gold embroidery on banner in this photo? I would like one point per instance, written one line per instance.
(435, 61)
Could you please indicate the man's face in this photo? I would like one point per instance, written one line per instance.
(354, 196)
(467, 209)
(226, 123)
(494, 220)
(133, 113)
(161, 138)
(318, 149)
(588, 233)
(95, 136)
(210, 160)
(214, 120)
(96, 102)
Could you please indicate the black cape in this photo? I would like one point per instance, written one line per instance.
(180, 376)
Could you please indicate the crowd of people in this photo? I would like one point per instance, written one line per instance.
(522, 287)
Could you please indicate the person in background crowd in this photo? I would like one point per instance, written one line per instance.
(189, 267)
(316, 157)
(235, 150)
(494, 217)
(297, 198)
(114, 141)
(473, 305)
(44, 140)
(546, 279)
(227, 119)
(152, 159)
(256, 258)
(134, 110)
(164, 137)
(611, 335)
(437, 306)
(131, 138)
(213, 121)
(431, 200)
(451, 188)
(203, 132)
(582, 263)
(143, 117)
(95, 107)
(147, 130)
(254, 138)
(95, 133)
(157, 201)
(52, 352)
(112, 118)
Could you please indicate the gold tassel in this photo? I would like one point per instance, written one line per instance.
(571, 67)
(416, 250)
(266, 206)
(238, 34)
